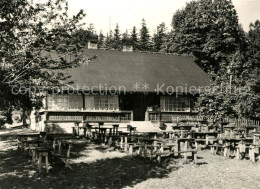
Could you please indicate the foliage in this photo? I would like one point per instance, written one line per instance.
(35, 41)
(237, 93)
(80, 37)
(209, 30)
(159, 37)
(144, 37)
(117, 43)
(101, 40)
(108, 44)
(134, 38)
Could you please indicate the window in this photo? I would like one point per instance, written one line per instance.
(175, 104)
(65, 102)
(99, 102)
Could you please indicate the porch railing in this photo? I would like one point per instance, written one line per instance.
(79, 116)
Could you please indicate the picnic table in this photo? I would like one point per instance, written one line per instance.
(235, 141)
(203, 134)
(186, 141)
(28, 136)
(23, 138)
(204, 137)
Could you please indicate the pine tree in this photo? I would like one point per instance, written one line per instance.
(125, 35)
(101, 41)
(159, 37)
(144, 38)
(117, 43)
(108, 43)
(168, 45)
(134, 38)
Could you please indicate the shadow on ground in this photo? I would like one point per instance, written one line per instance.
(16, 171)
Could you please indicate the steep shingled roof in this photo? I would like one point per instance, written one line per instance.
(116, 68)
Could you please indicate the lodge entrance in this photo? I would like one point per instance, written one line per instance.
(138, 103)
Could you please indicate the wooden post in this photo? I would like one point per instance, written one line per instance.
(211, 149)
(47, 162)
(114, 130)
(145, 149)
(104, 135)
(195, 157)
(131, 149)
(40, 163)
(54, 146)
(151, 154)
(121, 143)
(196, 145)
(59, 143)
(159, 159)
(253, 153)
(215, 150)
(140, 150)
(179, 147)
(126, 145)
(254, 140)
(207, 140)
(185, 149)
(161, 149)
(155, 145)
(238, 153)
(182, 133)
(228, 151)
(225, 151)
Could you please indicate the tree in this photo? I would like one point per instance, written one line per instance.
(30, 36)
(108, 44)
(101, 41)
(209, 30)
(125, 35)
(134, 38)
(81, 37)
(91, 28)
(159, 37)
(144, 37)
(237, 93)
(117, 43)
(168, 45)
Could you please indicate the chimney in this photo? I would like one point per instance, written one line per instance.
(92, 41)
(127, 45)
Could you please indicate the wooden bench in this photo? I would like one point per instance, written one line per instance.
(194, 154)
(43, 152)
(253, 149)
(64, 157)
(167, 154)
(159, 156)
(199, 141)
(214, 148)
(241, 149)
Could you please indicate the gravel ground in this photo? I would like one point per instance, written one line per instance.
(99, 167)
